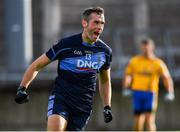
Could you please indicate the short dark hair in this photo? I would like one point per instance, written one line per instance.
(88, 11)
(147, 41)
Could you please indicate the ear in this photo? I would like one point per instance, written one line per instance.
(84, 23)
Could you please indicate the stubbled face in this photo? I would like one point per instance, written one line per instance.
(94, 27)
(147, 48)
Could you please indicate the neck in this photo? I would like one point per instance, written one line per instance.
(86, 38)
(149, 55)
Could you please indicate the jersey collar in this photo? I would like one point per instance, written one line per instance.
(88, 44)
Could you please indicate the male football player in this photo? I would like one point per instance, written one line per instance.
(81, 58)
(142, 75)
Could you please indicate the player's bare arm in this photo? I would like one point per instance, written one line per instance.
(127, 81)
(106, 93)
(105, 87)
(30, 74)
(33, 70)
(169, 85)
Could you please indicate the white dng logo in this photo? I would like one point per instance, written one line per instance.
(87, 64)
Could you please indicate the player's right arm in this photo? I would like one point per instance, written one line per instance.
(126, 82)
(30, 74)
(33, 70)
(51, 55)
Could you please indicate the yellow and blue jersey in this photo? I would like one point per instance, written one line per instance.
(146, 73)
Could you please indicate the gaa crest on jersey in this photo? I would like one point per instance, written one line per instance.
(77, 52)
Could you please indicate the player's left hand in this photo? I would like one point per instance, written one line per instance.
(169, 96)
(107, 114)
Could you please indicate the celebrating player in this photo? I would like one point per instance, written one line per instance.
(81, 58)
(143, 72)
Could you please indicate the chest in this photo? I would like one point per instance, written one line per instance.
(146, 67)
(82, 59)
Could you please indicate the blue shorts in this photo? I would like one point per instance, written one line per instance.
(76, 119)
(143, 101)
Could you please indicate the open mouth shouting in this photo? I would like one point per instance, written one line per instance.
(96, 34)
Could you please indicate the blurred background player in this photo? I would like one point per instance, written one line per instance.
(142, 75)
(80, 58)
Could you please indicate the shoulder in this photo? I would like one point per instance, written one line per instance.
(160, 62)
(103, 45)
(135, 58)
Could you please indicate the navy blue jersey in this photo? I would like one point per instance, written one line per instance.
(78, 65)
